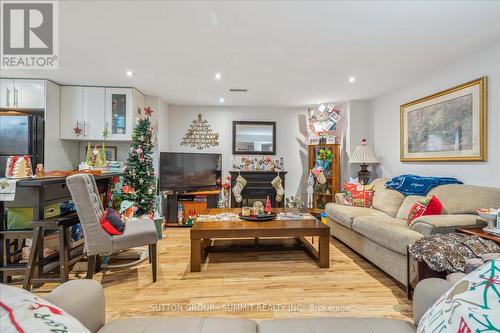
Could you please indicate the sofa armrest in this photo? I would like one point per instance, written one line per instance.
(426, 293)
(340, 198)
(84, 300)
(442, 224)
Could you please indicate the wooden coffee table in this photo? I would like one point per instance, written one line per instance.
(203, 232)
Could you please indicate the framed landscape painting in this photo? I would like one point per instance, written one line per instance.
(447, 126)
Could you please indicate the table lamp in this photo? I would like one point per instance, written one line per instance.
(363, 155)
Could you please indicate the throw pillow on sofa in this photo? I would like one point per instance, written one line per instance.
(21, 311)
(112, 223)
(358, 195)
(423, 207)
(471, 305)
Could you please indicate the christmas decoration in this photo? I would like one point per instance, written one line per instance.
(139, 177)
(322, 121)
(200, 135)
(39, 171)
(268, 209)
(148, 111)
(238, 187)
(77, 130)
(105, 132)
(278, 186)
(19, 167)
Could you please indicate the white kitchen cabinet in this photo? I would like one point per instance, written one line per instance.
(119, 113)
(22, 94)
(71, 112)
(95, 109)
(6, 93)
(94, 113)
(29, 94)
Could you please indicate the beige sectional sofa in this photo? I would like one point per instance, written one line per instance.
(381, 234)
(84, 300)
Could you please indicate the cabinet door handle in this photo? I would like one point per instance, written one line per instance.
(105, 133)
(16, 98)
(84, 129)
(7, 96)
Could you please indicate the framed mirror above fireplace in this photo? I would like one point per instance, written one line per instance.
(254, 138)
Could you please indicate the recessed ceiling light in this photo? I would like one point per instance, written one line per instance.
(129, 73)
(218, 76)
(221, 100)
(352, 79)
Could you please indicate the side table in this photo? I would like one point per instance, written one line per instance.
(480, 233)
(417, 270)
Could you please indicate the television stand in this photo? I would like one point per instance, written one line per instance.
(193, 203)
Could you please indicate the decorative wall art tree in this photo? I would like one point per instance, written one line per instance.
(200, 135)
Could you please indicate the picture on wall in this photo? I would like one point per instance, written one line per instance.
(110, 152)
(448, 126)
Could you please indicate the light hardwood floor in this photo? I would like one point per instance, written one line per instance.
(245, 285)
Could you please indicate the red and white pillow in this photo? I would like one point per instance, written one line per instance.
(358, 195)
(424, 207)
(21, 311)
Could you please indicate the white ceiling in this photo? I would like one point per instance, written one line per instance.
(285, 53)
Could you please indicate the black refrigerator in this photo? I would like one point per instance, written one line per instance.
(20, 134)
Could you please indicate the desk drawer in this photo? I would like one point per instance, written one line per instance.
(56, 191)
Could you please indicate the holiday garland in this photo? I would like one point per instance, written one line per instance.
(140, 175)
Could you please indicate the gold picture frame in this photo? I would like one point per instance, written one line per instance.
(430, 133)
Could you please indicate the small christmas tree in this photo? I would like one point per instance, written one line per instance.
(139, 169)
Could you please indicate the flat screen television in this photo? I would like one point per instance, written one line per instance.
(189, 170)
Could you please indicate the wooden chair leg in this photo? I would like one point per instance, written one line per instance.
(63, 253)
(154, 259)
(91, 261)
(32, 261)
(149, 257)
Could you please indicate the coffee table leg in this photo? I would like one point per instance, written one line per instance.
(324, 251)
(195, 255)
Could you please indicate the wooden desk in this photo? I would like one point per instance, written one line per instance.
(36, 193)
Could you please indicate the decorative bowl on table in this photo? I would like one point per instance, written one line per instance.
(489, 214)
(258, 218)
(493, 231)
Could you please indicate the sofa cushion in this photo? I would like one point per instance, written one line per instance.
(333, 325)
(406, 206)
(466, 199)
(471, 305)
(386, 199)
(442, 224)
(137, 233)
(346, 214)
(389, 232)
(180, 325)
(22, 311)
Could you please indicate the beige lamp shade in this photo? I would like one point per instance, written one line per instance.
(363, 154)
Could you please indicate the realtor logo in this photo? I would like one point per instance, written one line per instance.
(29, 35)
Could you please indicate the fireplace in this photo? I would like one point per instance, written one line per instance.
(258, 187)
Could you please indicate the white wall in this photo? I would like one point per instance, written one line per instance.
(290, 135)
(385, 113)
(158, 107)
